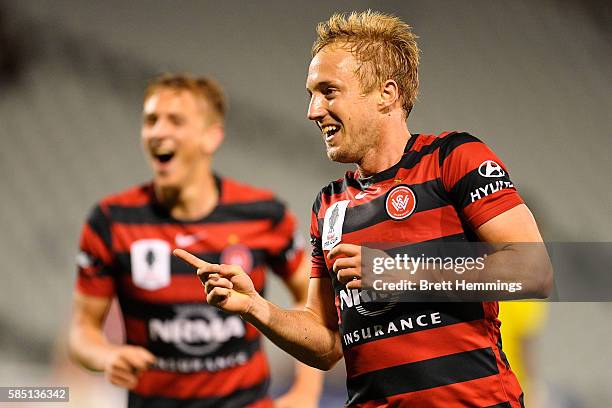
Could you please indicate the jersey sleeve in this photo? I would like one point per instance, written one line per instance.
(319, 267)
(476, 180)
(95, 261)
(284, 262)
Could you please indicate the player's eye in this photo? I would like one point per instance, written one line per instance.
(177, 120)
(149, 120)
(330, 92)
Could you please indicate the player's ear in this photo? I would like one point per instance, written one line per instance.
(213, 137)
(389, 95)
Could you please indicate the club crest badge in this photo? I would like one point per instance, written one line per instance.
(332, 224)
(150, 261)
(400, 202)
(238, 254)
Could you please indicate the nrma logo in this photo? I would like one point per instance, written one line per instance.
(196, 330)
(366, 302)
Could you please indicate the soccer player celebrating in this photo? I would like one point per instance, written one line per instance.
(408, 189)
(180, 352)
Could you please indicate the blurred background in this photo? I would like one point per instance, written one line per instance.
(532, 79)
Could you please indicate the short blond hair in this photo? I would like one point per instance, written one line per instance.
(384, 46)
(200, 86)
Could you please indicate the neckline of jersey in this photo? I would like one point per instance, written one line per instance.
(365, 182)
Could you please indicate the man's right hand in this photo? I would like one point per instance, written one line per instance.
(227, 287)
(124, 364)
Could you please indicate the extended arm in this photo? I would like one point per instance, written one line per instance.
(310, 335)
(308, 382)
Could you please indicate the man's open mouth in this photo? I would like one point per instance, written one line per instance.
(329, 130)
(163, 156)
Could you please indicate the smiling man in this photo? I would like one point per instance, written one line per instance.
(180, 352)
(407, 189)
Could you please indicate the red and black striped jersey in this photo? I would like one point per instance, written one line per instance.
(205, 357)
(418, 354)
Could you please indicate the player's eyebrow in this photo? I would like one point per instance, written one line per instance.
(149, 116)
(319, 86)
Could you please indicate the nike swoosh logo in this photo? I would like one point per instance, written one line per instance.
(185, 240)
(362, 194)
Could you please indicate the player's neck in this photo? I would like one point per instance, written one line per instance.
(195, 200)
(387, 152)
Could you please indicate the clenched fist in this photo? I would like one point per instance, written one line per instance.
(125, 363)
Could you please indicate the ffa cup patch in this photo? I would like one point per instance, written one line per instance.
(238, 254)
(400, 202)
(150, 259)
(332, 224)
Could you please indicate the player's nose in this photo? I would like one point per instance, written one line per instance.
(162, 129)
(316, 108)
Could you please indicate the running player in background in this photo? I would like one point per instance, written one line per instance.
(407, 189)
(181, 352)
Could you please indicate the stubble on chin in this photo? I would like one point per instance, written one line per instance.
(338, 156)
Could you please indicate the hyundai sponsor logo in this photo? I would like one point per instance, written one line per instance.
(489, 168)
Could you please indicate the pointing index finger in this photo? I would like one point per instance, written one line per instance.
(204, 269)
(190, 258)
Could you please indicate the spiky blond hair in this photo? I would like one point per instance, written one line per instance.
(384, 46)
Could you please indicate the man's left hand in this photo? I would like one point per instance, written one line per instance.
(347, 265)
